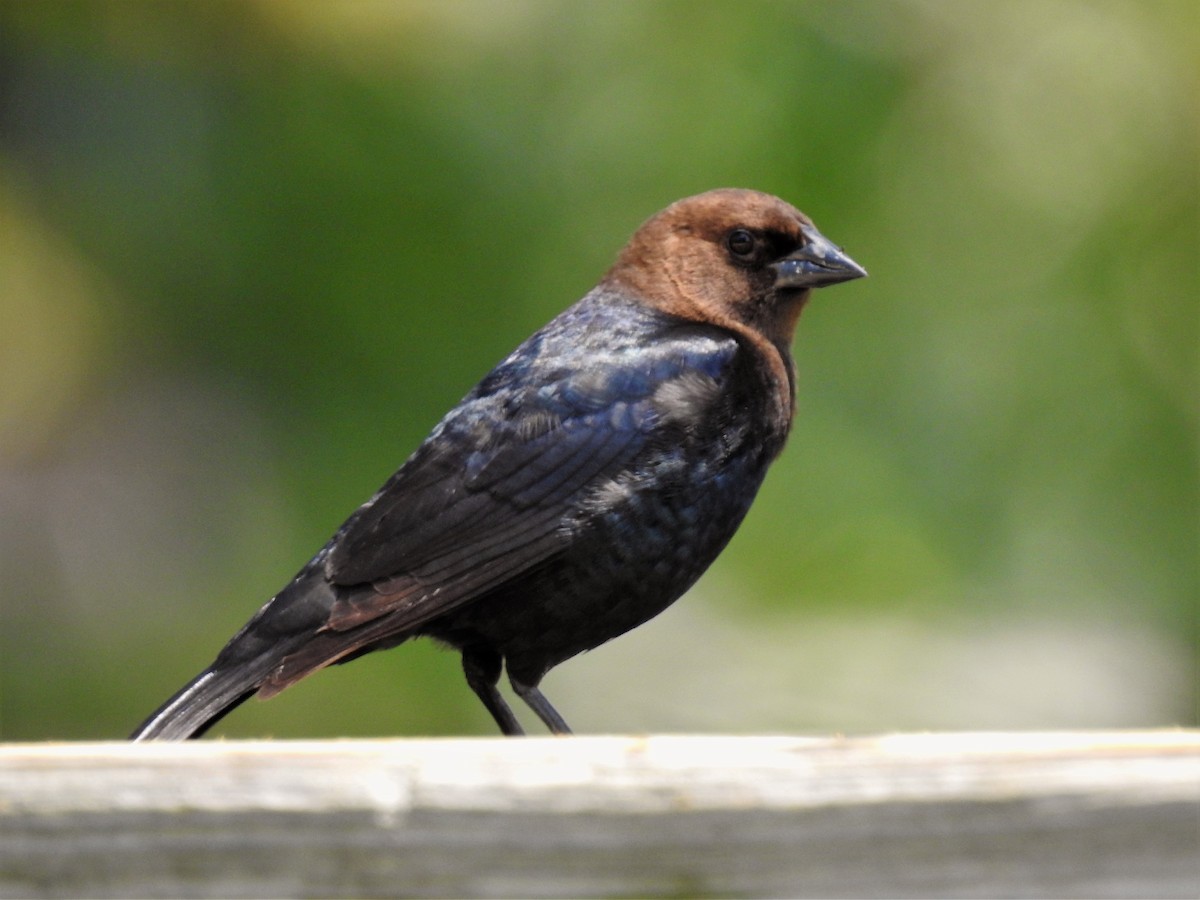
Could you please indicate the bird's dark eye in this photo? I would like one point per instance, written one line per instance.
(741, 243)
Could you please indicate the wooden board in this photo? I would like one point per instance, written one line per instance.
(964, 815)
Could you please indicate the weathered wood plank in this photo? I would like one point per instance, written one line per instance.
(1093, 814)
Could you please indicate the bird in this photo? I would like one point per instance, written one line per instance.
(579, 489)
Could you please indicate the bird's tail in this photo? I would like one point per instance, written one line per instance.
(279, 628)
(200, 704)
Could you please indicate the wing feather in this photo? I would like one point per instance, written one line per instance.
(494, 490)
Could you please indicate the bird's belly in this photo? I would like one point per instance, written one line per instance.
(623, 567)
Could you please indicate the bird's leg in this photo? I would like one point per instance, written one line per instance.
(482, 668)
(537, 701)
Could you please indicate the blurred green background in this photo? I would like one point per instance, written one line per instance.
(250, 252)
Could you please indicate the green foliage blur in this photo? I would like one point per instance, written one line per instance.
(250, 252)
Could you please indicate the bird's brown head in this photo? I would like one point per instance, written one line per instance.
(735, 258)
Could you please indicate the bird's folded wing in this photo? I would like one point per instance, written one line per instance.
(490, 496)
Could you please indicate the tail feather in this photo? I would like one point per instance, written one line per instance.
(200, 704)
(284, 624)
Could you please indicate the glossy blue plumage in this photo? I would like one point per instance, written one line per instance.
(578, 489)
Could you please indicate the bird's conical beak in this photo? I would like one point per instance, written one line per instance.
(817, 264)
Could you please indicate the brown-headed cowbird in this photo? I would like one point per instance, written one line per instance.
(579, 489)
